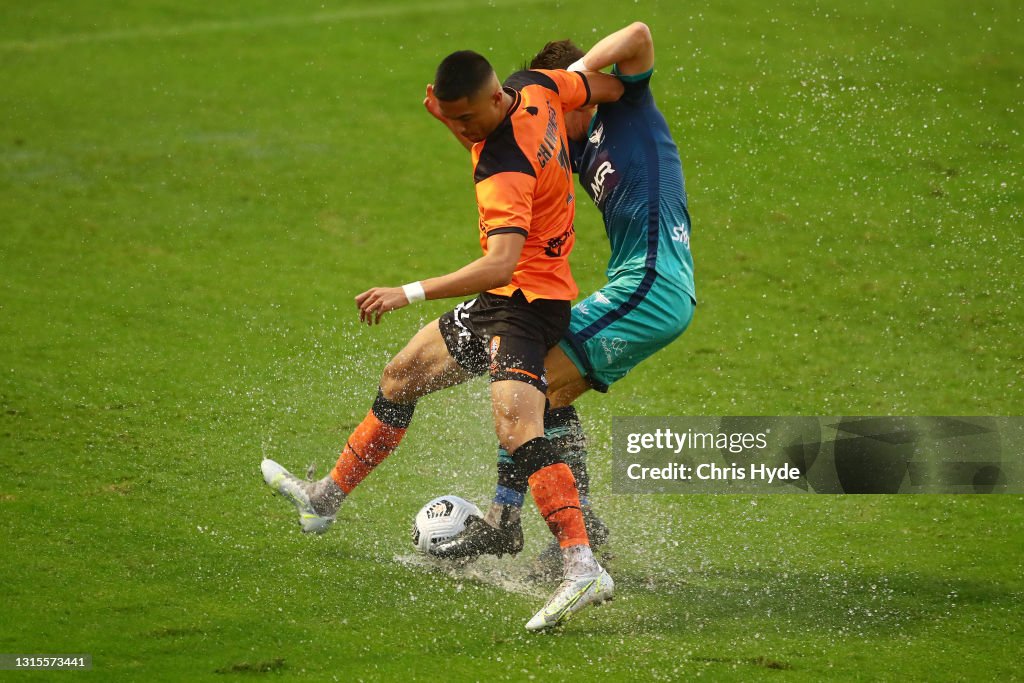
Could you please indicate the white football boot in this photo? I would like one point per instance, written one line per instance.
(572, 595)
(297, 491)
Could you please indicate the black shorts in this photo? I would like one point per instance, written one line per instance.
(507, 337)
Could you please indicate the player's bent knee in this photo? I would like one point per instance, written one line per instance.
(513, 434)
(421, 368)
(398, 382)
(518, 413)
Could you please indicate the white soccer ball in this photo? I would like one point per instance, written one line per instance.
(440, 519)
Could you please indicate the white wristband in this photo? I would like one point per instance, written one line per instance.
(578, 65)
(414, 292)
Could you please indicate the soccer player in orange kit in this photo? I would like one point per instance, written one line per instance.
(526, 209)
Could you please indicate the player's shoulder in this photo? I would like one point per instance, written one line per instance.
(527, 77)
(636, 87)
(642, 77)
(554, 80)
(502, 152)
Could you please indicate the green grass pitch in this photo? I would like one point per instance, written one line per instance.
(191, 193)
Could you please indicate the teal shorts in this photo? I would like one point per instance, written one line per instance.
(631, 318)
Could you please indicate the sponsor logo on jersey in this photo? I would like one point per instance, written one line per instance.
(597, 184)
(600, 176)
(681, 234)
(554, 245)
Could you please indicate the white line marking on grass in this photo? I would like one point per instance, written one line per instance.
(241, 25)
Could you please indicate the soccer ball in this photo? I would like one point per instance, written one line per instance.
(439, 520)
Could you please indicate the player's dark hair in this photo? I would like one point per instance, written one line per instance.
(461, 74)
(557, 54)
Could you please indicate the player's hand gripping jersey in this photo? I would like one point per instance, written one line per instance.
(524, 181)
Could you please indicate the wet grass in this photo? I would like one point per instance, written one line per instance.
(191, 198)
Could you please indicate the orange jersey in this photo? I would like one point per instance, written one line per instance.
(524, 181)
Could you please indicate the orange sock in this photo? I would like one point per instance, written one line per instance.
(554, 491)
(369, 444)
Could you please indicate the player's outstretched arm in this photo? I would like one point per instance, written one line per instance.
(632, 48)
(431, 105)
(492, 270)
